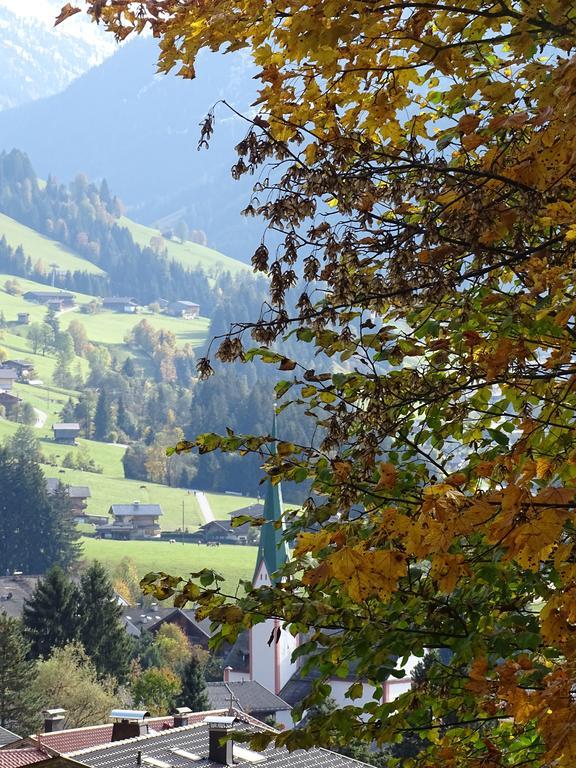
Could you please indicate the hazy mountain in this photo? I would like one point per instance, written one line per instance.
(139, 130)
(37, 60)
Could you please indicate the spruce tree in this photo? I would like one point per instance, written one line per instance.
(194, 693)
(35, 532)
(101, 632)
(17, 705)
(51, 617)
(103, 422)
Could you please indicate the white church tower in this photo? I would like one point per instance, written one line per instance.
(270, 662)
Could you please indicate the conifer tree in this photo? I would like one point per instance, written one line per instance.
(50, 617)
(16, 675)
(103, 421)
(35, 532)
(102, 634)
(194, 693)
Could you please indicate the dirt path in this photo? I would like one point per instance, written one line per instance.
(204, 505)
(40, 418)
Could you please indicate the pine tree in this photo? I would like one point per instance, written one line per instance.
(17, 704)
(102, 633)
(194, 693)
(24, 444)
(103, 422)
(68, 534)
(51, 618)
(34, 533)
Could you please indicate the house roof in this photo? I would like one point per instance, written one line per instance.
(118, 510)
(74, 491)
(249, 696)
(195, 739)
(14, 758)
(253, 510)
(120, 300)
(64, 426)
(51, 294)
(20, 363)
(10, 397)
(7, 737)
(179, 303)
(151, 619)
(74, 739)
(8, 373)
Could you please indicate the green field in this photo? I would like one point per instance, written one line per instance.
(233, 562)
(190, 254)
(111, 328)
(43, 249)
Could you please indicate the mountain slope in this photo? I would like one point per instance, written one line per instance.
(139, 130)
(37, 60)
(43, 249)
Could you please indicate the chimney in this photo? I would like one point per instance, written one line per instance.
(128, 723)
(227, 671)
(54, 720)
(182, 716)
(218, 730)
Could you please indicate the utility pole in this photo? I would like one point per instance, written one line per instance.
(182, 522)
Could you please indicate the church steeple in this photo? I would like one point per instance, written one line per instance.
(272, 551)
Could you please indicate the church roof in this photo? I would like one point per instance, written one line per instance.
(272, 550)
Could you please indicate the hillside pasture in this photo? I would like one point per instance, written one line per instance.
(232, 562)
(42, 249)
(191, 255)
(111, 328)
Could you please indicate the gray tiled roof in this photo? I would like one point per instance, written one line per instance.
(195, 739)
(250, 696)
(74, 491)
(66, 426)
(152, 618)
(136, 509)
(7, 737)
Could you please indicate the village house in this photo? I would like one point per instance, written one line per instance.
(78, 495)
(55, 299)
(23, 318)
(23, 368)
(187, 310)
(124, 304)
(220, 532)
(10, 402)
(250, 697)
(66, 433)
(132, 521)
(140, 620)
(7, 378)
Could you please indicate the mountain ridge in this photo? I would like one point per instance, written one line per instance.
(139, 130)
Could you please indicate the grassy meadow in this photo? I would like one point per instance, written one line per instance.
(111, 328)
(189, 254)
(233, 562)
(41, 248)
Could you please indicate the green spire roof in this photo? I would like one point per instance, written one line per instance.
(271, 549)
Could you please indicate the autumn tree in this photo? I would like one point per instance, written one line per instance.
(417, 160)
(69, 677)
(156, 689)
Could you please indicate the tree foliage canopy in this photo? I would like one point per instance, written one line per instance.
(418, 159)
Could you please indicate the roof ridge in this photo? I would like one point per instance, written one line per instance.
(143, 737)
